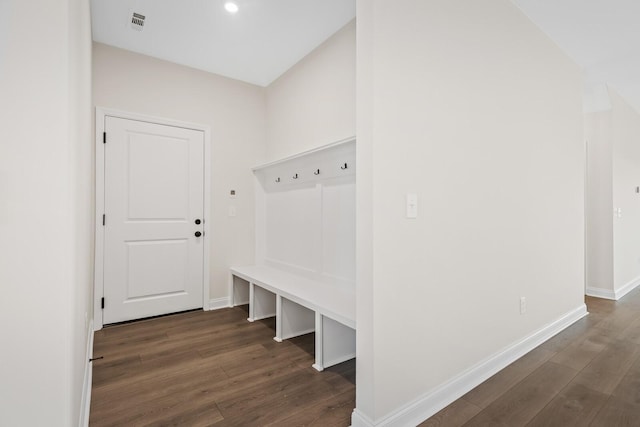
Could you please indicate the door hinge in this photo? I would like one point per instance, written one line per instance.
(104, 137)
(102, 303)
(104, 219)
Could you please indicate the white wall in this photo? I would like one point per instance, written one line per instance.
(45, 210)
(626, 178)
(235, 111)
(82, 159)
(313, 103)
(599, 215)
(471, 107)
(613, 245)
(365, 356)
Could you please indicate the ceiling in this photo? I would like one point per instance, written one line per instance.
(266, 37)
(601, 36)
(256, 45)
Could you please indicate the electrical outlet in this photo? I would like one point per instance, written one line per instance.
(523, 305)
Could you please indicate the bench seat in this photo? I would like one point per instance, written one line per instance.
(300, 305)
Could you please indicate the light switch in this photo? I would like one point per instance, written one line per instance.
(232, 211)
(412, 205)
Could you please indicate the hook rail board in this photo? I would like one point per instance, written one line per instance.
(331, 163)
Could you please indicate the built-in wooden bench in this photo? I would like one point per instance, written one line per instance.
(300, 306)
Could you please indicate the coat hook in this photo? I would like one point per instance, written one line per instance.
(344, 167)
(278, 180)
(317, 172)
(295, 176)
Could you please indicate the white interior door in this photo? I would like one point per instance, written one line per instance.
(154, 199)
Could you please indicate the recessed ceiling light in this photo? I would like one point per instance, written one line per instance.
(231, 7)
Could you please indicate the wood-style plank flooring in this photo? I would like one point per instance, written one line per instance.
(588, 375)
(214, 369)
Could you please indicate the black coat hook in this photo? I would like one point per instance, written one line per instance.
(278, 180)
(317, 172)
(295, 176)
(344, 167)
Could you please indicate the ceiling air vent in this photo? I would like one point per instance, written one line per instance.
(137, 21)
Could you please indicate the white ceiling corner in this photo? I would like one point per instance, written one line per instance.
(601, 36)
(256, 45)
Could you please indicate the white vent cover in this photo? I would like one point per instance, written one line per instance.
(137, 21)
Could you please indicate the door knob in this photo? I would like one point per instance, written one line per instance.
(198, 234)
(198, 221)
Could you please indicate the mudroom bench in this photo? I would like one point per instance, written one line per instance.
(300, 305)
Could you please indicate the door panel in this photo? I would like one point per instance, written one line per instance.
(157, 268)
(158, 185)
(154, 183)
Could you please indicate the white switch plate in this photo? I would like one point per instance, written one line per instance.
(412, 205)
(523, 305)
(232, 211)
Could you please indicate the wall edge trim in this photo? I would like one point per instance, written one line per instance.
(85, 403)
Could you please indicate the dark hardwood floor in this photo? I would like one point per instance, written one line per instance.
(588, 375)
(215, 368)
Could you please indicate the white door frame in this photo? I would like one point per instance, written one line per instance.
(98, 282)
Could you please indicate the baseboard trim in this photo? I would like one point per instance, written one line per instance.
(237, 303)
(619, 293)
(616, 294)
(430, 403)
(601, 293)
(218, 303)
(359, 419)
(85, 404)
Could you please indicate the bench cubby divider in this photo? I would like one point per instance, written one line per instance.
(262, 303)
(293, 320)
(301, 306)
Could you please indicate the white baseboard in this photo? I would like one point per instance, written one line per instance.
(359, 419)
(85, 404)
(601, 293)
(237, 303)
(619, 293)
(613, 294)
(430, 403)
(218, 303)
